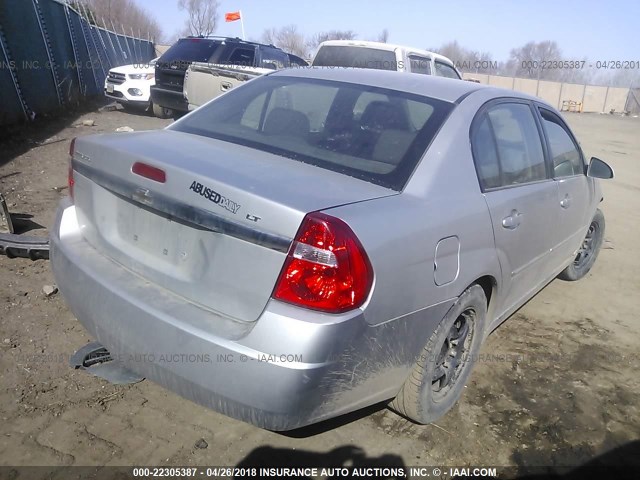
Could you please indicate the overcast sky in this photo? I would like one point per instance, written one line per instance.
(598, 30)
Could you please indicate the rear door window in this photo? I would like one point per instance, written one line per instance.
(519, 144)
(507, 147)
(420, 64)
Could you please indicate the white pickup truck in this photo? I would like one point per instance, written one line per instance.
(204, 81)
(383, 56)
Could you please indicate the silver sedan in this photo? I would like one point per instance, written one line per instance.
(320, 240)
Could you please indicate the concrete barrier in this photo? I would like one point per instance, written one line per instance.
(616, 99)
(550, 92)
(594, 98)
(501, 82)
(526, 85)
(571, 92)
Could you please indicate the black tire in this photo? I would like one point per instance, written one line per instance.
(588, 252)
(162, 112)
(424, 400)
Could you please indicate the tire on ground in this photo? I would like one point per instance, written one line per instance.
(416, 399)
(162, 112)
(575, 272)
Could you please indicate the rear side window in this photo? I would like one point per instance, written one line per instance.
(358, 57)
(486, 155)
(507, 147)
(374, 134)
(564, 152)
(444, 70)
(274, 59)
(297, 61)
(420, 64)
(242, 57)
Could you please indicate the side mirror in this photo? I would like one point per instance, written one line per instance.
(599, 169)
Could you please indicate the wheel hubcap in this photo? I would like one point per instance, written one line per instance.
(453, 353)
(586, 249)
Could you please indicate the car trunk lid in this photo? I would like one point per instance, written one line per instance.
(217, 230)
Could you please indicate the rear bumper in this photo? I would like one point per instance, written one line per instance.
(279, 372)
(169, 99)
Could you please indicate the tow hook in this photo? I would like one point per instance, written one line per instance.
(95, 359)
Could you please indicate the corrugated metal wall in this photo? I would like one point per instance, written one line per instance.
(50, 57)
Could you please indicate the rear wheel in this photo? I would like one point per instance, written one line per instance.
(588, 251)
(439, 375)
(162, 112)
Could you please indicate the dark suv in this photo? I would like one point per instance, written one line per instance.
(167, 94)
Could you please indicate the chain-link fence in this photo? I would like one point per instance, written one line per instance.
(51, 56)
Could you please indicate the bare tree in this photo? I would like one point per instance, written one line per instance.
(383, 36)
(527, 61)
(203, 16)
(318, 38)
(287, 38)
(545, 61)
(126, 15)
(467, 60)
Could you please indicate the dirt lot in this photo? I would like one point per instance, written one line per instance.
(558, 385)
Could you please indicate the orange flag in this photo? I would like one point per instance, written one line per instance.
(231, 16)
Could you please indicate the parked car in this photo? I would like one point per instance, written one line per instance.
(130, 85)
(383, 56)
(168, 92)
(318, 240)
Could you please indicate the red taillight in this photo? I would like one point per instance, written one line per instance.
(70, 179)
(327, 268)
(147, 171)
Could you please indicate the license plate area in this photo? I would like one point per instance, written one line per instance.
(160, 242)
(110, 87)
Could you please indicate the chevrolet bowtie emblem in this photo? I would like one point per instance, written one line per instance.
(143, 195)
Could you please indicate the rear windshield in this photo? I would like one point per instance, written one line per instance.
(357, 57)
(188, 50)
(374, 134)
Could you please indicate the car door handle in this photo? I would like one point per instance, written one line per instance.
(566, 201)
(512, 221)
